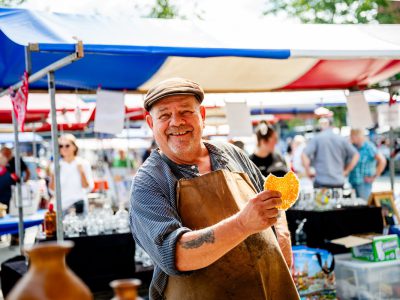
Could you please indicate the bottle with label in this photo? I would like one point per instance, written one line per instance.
(50, 222)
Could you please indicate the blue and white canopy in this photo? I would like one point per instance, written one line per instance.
(133, 54)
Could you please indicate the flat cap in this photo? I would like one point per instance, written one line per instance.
(171, 87)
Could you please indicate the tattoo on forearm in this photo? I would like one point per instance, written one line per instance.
(207, 237)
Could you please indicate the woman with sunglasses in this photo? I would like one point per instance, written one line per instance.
(75, 176)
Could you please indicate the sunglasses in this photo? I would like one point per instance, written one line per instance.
(64, 146)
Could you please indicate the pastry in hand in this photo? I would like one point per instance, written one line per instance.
(287, 185)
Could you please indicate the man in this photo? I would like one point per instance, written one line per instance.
(333, 157)
(122, 161)
(209, 234)
(370, 165)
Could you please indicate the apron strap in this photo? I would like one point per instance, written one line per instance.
(178, 174)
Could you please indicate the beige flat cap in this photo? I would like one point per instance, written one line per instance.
(171, 87)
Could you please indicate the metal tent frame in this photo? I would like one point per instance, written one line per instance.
(49, 72)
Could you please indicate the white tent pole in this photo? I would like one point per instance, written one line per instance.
(18, 192)
(17, 158)
(56, 155)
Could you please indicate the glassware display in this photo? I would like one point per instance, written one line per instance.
(142, 257)
(122, 220)
(97, 221)
(91, 224)
(73, 225)
(326, 199)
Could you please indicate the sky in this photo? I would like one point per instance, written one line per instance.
(230, 10)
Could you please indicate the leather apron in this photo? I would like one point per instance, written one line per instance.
(255, 269)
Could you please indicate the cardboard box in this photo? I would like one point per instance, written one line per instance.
(372, 247)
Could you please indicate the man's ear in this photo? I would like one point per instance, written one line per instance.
(149, 120)
(203, 112)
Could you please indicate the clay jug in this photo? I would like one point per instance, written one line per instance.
(48, 276)
(126, 289)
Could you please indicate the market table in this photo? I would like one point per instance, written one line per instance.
(9, 224)
(323, 226)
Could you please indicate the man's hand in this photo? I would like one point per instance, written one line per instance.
(260, 212)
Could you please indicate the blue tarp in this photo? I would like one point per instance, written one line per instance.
(133, 53)
(109, 63)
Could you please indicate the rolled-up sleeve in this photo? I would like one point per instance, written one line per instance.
(155, 224)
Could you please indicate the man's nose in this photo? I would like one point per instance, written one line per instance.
(176, 120)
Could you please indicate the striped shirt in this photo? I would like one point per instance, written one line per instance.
(155, 223)
(366, 165)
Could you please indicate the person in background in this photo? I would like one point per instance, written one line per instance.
(122, 160)
(76, 176)
(370, 165)
(265, 157)
(8, 154)
(332, 156)
(147, 152)
(298, 145)
(7, 180)
(204, 244)
(238, 143)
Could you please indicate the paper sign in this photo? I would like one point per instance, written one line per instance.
(110, 112)
(359, 112)
(239, 121)
(389, 115)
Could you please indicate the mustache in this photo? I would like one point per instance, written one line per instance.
(175, 129)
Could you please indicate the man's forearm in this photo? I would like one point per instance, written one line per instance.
(200, 248)
(381, 164)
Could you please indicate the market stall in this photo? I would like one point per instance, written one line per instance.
(132, 55)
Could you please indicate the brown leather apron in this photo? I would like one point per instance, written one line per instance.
(255, 269)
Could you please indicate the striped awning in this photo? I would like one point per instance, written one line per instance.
(133, 54)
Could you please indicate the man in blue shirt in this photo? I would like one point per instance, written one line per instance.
(370, 165)
(199, 210)
(332, 156)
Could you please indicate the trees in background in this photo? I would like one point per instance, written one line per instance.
(337, 12)
(163, 9)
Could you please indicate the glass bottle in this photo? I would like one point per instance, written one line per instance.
(50, 222)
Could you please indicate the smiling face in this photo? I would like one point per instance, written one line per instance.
(177, 123)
